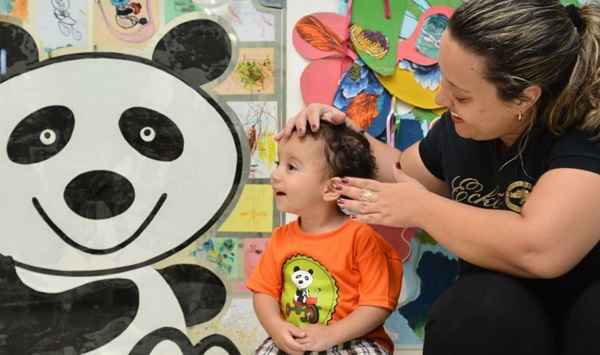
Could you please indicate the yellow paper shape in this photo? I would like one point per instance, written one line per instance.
(403, 85)
(254, 211)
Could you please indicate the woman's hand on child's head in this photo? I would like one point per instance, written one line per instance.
(311, 115)
(286, 338)
(318, 338)
(389, 204)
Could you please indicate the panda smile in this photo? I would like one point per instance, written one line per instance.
(85, 249)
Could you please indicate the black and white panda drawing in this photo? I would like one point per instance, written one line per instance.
(109, 164)
(302, 279)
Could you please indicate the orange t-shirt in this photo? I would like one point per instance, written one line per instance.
(322, 278)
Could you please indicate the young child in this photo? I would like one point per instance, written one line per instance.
(325, 282)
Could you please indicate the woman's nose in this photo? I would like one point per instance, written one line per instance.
(441, 98)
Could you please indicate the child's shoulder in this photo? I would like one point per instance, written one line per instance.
(284, 230)
(362, 229)
(367, 236)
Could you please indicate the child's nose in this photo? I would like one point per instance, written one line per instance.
(275, 175)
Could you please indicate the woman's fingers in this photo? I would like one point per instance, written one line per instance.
(311, 116)
(334, 116)
(356, 207)
(371, 218)
(359, 183)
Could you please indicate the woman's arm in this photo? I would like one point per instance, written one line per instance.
(558, 225)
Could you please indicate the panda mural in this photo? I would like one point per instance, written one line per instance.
(109, 164)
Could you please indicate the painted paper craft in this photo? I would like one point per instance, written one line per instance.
(252, 75)
(224, 252)
(175, 8)
(321, 35)
(363, 98)
(62, 24)
(423, 45)
(253, 251)
(324, 39)
(250, 24)
(15, 8)
(259, 119)
(320, 80)
(120, 22)
(254, 211)
(374, 32)
(404, 85)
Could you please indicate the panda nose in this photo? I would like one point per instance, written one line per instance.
(99, 194)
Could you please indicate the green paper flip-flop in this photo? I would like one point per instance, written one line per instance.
(374, 36)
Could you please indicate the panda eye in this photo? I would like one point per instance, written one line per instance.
(40, 135)
(48, 137)
(148, 134)
(151, 133)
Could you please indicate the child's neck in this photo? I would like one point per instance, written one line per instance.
(322, 220)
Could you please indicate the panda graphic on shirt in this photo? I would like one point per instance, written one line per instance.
(111, 163)
(310, 293)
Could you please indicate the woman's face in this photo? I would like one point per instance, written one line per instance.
(477, 111)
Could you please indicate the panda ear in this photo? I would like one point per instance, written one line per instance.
(198, 50)
(17, 50)
(310, 271)
(296, 268)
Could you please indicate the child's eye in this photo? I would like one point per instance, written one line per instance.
(291, 167)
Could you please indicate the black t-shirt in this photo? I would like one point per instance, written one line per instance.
(480, 174)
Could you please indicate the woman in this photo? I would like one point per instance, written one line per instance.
(508, 180)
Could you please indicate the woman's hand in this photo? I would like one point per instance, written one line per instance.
(311, 115)
(390, 204)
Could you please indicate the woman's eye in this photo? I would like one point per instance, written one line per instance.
(462, 100)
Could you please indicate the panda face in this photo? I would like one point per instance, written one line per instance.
(302, 278)
(110, 162)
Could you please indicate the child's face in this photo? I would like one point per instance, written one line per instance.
(301, 175)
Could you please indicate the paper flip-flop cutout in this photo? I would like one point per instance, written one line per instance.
(374, 32)
(322, 35)
(414, 84)
(323, 38)
(320, 79)
(422, 47)
(363, 99)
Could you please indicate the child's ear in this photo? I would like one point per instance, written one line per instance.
(329, 192)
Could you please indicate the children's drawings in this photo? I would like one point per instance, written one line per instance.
(252, 75)
(260, 123)
(125, 20)
(15, 8)
(62, 23)
(254, 211)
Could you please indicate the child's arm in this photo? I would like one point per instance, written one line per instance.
(283, 333)
(357, 324)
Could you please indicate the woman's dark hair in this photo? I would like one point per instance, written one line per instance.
(538, 42)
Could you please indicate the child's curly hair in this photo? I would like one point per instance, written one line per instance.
(347, 152)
